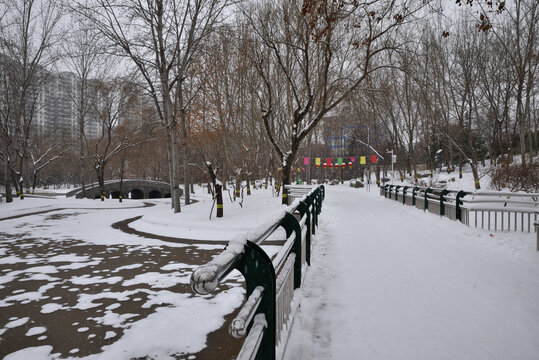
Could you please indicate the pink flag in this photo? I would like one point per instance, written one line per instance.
(305, 161)
(352, 159)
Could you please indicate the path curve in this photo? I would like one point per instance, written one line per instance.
(123, 226)
(146, 204)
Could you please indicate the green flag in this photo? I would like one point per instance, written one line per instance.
(339, 161)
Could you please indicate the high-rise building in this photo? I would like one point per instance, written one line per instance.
(56, 107)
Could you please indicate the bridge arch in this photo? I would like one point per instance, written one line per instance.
(140, 189)
(137, 194)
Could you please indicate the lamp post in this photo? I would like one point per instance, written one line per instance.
(439, 159)
(392, 162)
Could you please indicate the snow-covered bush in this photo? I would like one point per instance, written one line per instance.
(516, 177)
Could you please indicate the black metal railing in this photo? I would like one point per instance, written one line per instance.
(492, 210)
(270, 283)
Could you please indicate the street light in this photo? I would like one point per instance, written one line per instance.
(392, 162)
(439, 159)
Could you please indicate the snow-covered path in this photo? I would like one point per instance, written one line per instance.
(390, 282)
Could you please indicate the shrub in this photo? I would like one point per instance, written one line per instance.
(516, 177)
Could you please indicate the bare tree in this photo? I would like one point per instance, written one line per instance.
(519, 36)
(113, 103)
(43, 154)
(27, 39)
(312, 55)
(83, 51)
(161, 38)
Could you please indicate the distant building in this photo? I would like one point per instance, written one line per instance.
(56, 110)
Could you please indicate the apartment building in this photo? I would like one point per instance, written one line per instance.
(56, 110)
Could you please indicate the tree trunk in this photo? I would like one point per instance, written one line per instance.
(14, 181)
(100, 173)
(81, 159)
(174, 165)
(184, 145)
(219, 199)
(286, 179)
(377, 172)
(476, 177)
(120, 196)
(21, 186)
(237, 187)
(34, 182)
(7, 181)
(186, 177)
(170, 173)
(460, 166)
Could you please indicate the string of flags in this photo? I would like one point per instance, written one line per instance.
(340, 162)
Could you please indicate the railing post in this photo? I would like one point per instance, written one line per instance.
(322, 196)
(397, 192)
(427, 191)
(458, 203)
(257, 269)
(414, 193)
(303, 208)
(404, 194)
(442, 206)
(291, 224)
(310, 202)
(390, 189)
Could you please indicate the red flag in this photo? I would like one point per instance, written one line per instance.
(373, 159)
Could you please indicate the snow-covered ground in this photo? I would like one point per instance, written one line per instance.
(74, 285)
(447, 180)
(389, 281)
(196, 224)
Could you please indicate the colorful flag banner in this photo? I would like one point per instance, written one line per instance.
(339, 161)
(373, 159)
(362, 160)
(305, 161)
(317, 161)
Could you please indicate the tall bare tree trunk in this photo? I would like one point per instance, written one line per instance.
(81, 159)
(7, 180)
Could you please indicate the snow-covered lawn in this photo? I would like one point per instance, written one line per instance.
(195, 223)
(72, 285)
(389, 281)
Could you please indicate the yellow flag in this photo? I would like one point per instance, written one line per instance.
(362, 160)
(317, 161)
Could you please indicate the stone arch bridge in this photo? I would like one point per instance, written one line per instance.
(132, 188)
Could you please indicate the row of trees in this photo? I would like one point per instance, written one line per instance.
(467, 93)
(219, 90)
